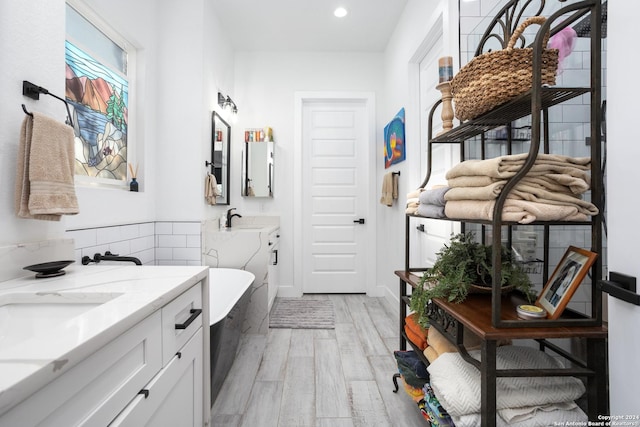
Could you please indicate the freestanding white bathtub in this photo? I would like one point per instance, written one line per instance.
(229, 294)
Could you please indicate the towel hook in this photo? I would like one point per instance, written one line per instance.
(33, 91)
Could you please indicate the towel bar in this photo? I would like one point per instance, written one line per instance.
(33, 91)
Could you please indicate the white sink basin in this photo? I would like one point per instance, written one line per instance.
(26, 315)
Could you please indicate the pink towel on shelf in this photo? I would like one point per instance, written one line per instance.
(46, 160)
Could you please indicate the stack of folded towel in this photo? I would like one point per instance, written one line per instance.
(415, 333)
(413, 201)
(438, 345)
(427, 203)
(521, 401)
(551, 190)
(413, 372)
(432, 202)
(432, 410)
(45, 168)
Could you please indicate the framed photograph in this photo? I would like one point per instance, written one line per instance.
(564, 281)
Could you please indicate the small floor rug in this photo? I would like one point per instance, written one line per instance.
(302, 313)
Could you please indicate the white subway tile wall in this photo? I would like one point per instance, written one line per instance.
(154, 243)
(178, 243)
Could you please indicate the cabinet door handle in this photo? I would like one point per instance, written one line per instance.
(359, 221)
(195, 312)
(275, 253)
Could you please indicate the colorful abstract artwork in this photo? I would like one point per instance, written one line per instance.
(394, 149)
(99, 97)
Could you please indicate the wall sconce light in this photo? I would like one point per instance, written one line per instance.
(227, 104)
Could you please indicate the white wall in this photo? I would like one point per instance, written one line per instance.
(623, 175)
(183, 58)
(265, 86)
(32, 41)
(32, 48)
(401, 73)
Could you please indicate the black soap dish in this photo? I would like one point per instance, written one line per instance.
(48, 269)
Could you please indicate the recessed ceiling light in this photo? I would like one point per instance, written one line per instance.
(340, 12)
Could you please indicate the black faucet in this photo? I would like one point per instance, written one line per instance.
(108, 256)
(230, 216)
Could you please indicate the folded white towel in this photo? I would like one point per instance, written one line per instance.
(541, 418)
(46, 161)
(415, 193)
(456, 382)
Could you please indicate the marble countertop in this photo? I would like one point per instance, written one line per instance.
(133, 293)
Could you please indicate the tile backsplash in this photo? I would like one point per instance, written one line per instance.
(154, 243)
(178, 243)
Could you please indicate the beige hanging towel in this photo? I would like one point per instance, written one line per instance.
(389, 189)
(211, 189)
(44, 181)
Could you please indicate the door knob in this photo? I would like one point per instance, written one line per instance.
(358, 221)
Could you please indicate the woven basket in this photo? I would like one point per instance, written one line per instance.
(493, 78)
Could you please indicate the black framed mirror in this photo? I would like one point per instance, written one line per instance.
(220, 157)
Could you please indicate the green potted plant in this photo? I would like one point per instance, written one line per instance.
(462, 266)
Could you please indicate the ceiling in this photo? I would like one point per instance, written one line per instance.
(308, 25)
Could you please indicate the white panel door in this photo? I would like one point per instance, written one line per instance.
(335, 196)
(436, 232)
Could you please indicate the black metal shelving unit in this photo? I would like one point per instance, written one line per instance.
(498, 320)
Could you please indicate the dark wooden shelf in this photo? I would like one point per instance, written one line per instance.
(475, 313)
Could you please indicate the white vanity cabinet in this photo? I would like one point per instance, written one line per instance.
(152, 374)
(174, 397)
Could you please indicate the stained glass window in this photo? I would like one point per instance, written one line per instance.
(97, 88)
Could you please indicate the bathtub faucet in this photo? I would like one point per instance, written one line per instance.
(108, 256)
(230, 216)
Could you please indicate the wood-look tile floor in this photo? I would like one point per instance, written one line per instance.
(338, 377)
